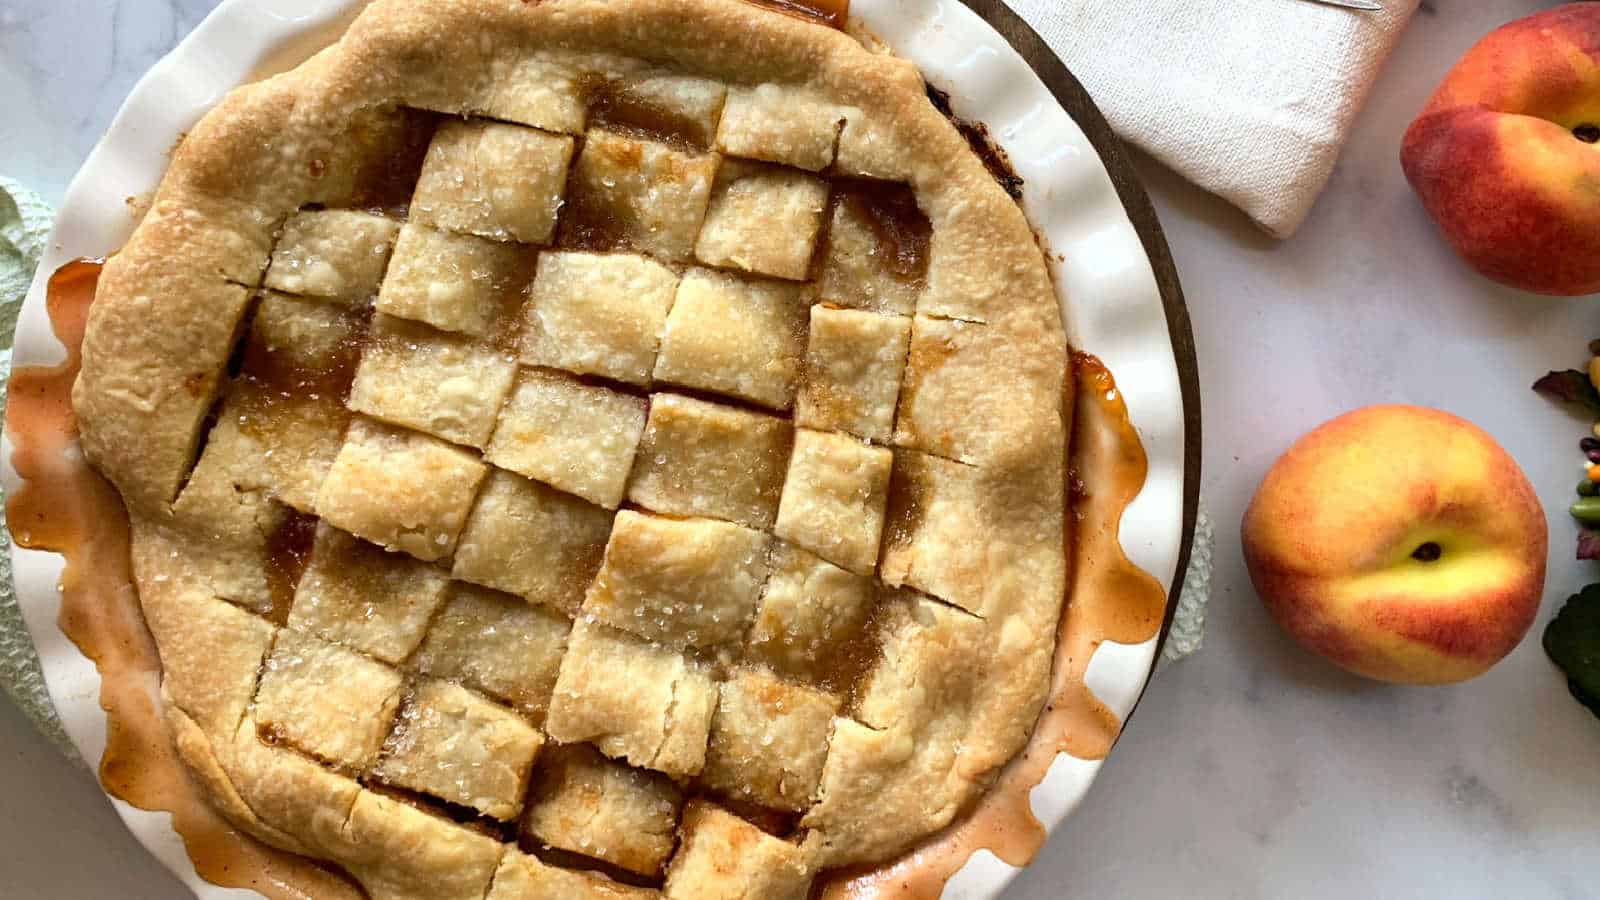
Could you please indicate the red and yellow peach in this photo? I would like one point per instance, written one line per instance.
(1400, 542)
(1506, 155)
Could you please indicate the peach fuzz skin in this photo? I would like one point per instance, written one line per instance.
(1495, 160)
(1332, 536)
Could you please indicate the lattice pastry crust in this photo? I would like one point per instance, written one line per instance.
(590, 448)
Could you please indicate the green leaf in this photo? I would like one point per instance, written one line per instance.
(1572, 641)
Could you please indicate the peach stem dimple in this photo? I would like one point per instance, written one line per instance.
(1429, 552)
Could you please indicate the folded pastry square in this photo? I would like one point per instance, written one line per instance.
(582, 802)
(768, 740)
(525, 877)
(635, 700)
(364, 597)
(699, 458)
(225, 503)
(683, 582)
(630, 192)
(528, 538)
(735, 336)
(723, 857)
(497, 644)
(541, 86)
(290, 790)
(494, 180)
(854, 361)
(917, 632)
(307, 434)
(781, 124)
(867, 150)
(919, 712)
(455, 282)
(335, 253)
(234, 645)
(876, 253)
(597, 314)
(401, 489)
(680, 107)
(326, 700)
(932, 544)
(452, 744)
(953, 377)
(289, 397)
(813, 619)
(577, 437)
(398, 850)
(763, 219)
(445, 384)
(302, 345)
(834, 498)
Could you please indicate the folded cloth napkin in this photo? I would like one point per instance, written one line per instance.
(1249, 99)
(1188, 629)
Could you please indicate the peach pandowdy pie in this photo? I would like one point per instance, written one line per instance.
(587, 449)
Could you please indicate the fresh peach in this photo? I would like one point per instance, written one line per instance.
(1401, 543)
(1505, 155)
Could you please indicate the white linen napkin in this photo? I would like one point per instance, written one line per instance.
(1249, 99)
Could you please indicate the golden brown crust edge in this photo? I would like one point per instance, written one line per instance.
(170, 301)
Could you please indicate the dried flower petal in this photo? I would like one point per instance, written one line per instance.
(1570, 386)
(1588, 543)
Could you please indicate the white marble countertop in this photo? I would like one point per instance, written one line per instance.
(1251, 769)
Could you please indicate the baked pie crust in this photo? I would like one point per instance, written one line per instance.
(589, 448)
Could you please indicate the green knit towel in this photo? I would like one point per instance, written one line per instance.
(24, 228)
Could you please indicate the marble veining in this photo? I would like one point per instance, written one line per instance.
(1251, 770)
(65, 67)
